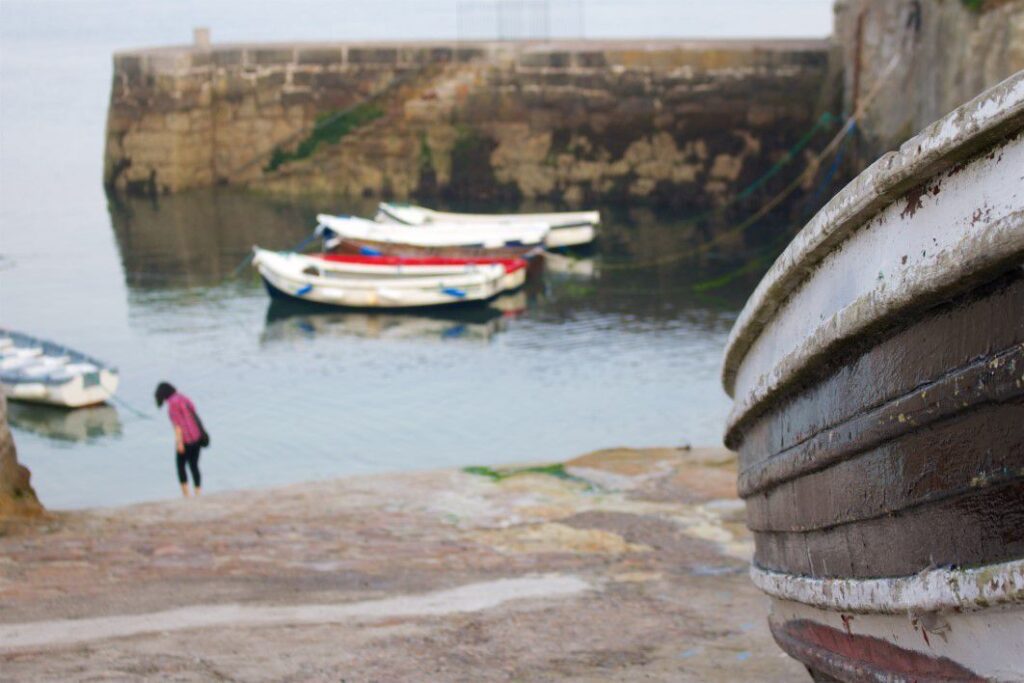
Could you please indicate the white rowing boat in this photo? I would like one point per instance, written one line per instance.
(39, 371)
(568, 228)
(397, 283)
(442, 239)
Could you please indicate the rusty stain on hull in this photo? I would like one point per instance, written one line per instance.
(847, 656)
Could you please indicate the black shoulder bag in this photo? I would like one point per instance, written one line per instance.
(204, 437)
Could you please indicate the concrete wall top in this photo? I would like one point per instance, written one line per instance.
(180, 59)
(992, 118)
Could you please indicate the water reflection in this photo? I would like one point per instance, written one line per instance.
(62, 424)
(570, 266)
(290, 321)
(628, 353)
(198, 239)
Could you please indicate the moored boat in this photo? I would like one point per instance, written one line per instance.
(39, 371)
(568, 228)
(357, 282)
(441, 240)
(878, 378)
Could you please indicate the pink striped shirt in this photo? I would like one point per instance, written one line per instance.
(182, 414)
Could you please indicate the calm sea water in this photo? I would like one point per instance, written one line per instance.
(586, 357)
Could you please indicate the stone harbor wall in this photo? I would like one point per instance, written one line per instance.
(680, 124)
(938, 54)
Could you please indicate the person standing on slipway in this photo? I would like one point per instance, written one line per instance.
(189, 435)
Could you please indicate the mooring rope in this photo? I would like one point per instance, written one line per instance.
(127, 406)
(306, 241)
(848, 128)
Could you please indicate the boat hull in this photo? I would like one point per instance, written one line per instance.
(438, 239)
(77, 392)
(568, 229)
(360, 246)
(35, 370)
(300, 278)
(952, 640)
(878, 378)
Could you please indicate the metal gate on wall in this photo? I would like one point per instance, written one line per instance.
(519, 19)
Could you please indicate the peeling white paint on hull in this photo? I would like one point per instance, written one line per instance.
(878, 378)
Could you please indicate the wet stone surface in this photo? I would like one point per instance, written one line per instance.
(625, 565)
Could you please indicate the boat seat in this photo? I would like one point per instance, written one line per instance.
(45, 366)
(20, 359)
(79, 368)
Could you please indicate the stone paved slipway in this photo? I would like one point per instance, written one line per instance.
(633, 567)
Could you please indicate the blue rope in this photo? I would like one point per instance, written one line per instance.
(833, 169)
(127, 406)
(298, 247)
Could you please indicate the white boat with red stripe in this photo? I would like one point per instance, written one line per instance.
(358, 281)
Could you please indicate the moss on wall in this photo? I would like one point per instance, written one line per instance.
(330, 128)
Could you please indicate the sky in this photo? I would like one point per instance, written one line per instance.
(148, 22)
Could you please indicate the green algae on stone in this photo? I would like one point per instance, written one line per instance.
(330, 128)
(556, 470)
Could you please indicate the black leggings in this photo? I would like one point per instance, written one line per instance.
(191, 456)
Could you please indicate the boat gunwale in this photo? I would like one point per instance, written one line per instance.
(511, 265)
(49, 349)
(459, 236)
(388, 208)
(966, 589)
(956, 138)
(1004, 250)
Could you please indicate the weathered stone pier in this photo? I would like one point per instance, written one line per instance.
(680, 123)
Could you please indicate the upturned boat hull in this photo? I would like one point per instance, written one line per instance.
(878, 374)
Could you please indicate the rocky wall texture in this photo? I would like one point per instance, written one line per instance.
(16, 495)
(681, 124)
(922, 59)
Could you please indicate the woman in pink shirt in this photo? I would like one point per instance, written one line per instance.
(188, 433)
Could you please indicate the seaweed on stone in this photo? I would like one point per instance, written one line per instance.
(556, 470)
(330, 128)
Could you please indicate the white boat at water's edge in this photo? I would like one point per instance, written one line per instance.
(567, 228)
(39, 371)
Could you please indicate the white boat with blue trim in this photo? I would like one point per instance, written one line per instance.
(567, 228)
(385, 282)
(39, 371)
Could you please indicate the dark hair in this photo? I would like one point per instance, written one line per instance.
(164, 391)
